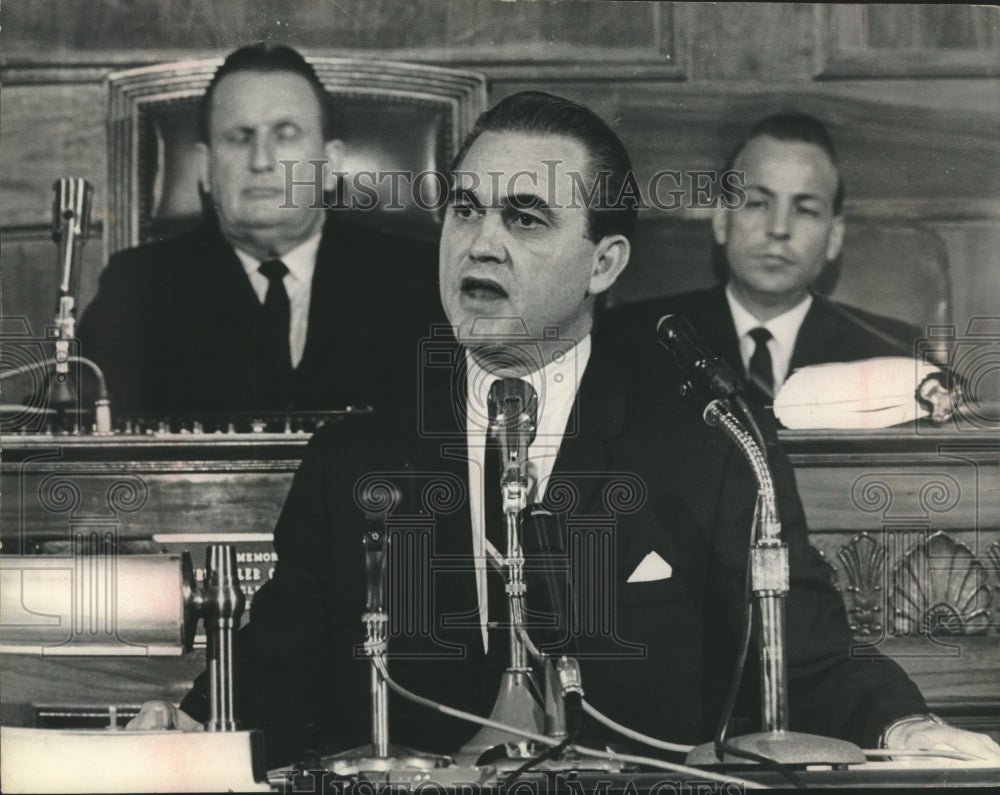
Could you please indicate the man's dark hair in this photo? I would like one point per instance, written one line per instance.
(798, 128)
(264, 57)
(541, 113)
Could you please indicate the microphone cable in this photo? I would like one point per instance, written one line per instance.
(721, 746)
(574, 703)
(541, 738)
(632, 734)
(751, 421)
(44, 364)
(741, 657)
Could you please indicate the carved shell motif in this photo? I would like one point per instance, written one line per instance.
(864, 561)
(940, 588)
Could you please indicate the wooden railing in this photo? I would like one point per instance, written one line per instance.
(909, 521)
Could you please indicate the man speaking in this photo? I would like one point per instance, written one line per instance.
(657, 505)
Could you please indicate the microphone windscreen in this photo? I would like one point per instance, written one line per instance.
(513, 407)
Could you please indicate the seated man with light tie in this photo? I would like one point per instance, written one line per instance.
(765, 320)
(657, 505)
(261, 307)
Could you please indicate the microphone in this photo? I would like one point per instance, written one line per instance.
(375, 544)
(376, 622)
(513, 414)
(706, 371)
(70, 227)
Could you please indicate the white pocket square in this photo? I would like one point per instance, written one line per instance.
(650, 568)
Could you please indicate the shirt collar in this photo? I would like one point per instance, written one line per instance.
(784, 328)
(556, 385)
(300, 261)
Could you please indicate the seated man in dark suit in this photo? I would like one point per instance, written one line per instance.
(765, 320)
(632, 473)
(265, 305)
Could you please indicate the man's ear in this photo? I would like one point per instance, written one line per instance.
(610, 258)
(334, 150)
(201, 163)
(835, 240)
(720, 227)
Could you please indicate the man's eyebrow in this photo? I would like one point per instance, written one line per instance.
(804, 196)
(463, 193)
(811, 197)
(526, 201)
(250, 126)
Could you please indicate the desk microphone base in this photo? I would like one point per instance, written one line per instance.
(364, 760)
(403, 766)
(518, 704)
(786, 748)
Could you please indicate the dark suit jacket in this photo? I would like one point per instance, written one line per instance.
(831, 332)
(638, 472)
(173, 323)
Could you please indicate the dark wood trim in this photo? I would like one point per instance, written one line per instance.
(915, 446)
(576, 63)
(836, 62)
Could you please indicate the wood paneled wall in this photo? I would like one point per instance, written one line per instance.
(911, 95)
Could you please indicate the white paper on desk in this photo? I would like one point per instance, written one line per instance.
(872, 393)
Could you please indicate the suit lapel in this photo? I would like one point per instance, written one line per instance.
(818, 338)
(330, 285)
(723, 337)
(442, 432)
(226, 285)
(598, 416)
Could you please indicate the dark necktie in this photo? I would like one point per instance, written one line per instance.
(761, 370)
(274, 359)
(277, 317)
(496, 534)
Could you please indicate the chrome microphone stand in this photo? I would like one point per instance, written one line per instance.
(70, 229)
(222, 602)
(769, 578)
(513, 406)
(380, 756)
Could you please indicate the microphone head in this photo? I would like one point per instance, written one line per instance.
(672, 329)
(707, 373)
(71, 208)
(513, 406)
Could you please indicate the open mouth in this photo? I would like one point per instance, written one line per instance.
(261, 193)
(775, 260)
(482, 289)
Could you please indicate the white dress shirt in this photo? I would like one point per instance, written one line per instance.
(556, 386)
(784, 329)
(301, 263)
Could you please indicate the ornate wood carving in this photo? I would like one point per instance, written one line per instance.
(939, 587)
(863, 560)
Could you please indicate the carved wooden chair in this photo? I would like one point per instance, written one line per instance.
(397, 116)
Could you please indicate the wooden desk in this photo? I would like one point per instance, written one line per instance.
(909, 521)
